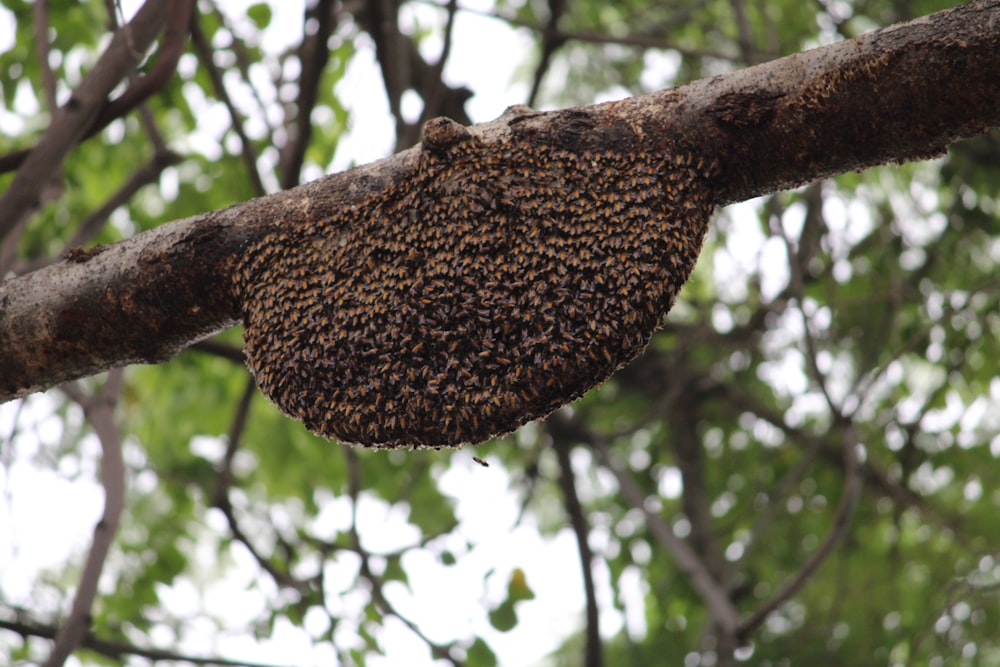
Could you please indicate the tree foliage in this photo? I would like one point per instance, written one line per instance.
(802, 467)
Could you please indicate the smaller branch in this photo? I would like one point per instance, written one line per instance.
(853, 485)
(433, 92)
(178, 21)
(248, 152)
(235, 435)
(594, 654)
(244, 61)
(313, 55)
(874, 475)
(439, 651)
(220, 349)
(381, 20)
(71, 122)
(719, 606)
(52, 188)
(141, 89)
(796, 288)
(93, 223)
(853, 482)
(221, 496)
(552, 40)
(745, 39)
(147, 174)
(683, 413)
(99, 411)
(779, 492)
(650, 40)
(152, 130)
(41, 16)
(117, 650)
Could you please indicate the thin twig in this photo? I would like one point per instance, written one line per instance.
(594, 653)
(439, 651)
(221, 496)
(72, 122)
(117, 650)
(853, 477)
(313, 57)
(716, 600)
(874, 475)
(41, 16)
(247, 152)
(99, 411)
(652, 39)
(853, 485)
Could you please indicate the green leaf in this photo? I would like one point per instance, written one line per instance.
(517, 588)
(481, 655)
(260, 14)
(504, 618)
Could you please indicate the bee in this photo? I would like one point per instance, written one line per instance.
(496, 283)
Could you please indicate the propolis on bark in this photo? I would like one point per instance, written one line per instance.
(500, 282)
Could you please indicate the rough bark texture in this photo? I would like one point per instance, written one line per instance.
(898, 94)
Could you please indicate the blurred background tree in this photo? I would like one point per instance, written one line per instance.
(802, 467)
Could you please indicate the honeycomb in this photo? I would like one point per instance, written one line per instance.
(500, 282)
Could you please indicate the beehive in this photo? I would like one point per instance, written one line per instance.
(499, 283)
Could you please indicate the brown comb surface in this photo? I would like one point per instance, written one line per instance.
(499, 283)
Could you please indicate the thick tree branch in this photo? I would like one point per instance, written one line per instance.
(898, 94)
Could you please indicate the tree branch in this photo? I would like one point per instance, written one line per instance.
(72, 121)
(99, 411)
(897, 94)
(551, 40)
(313, 54)
(220, 498)
(594, 653)
(439, 651)
(720, 607)
(117, 650)
(177, 25)
(247, 150)
(91, 225)
(853, 485)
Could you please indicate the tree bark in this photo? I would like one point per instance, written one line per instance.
(902, 93)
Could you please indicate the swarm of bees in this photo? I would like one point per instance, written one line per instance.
(498, 284)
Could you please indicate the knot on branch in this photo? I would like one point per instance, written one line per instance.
(442, 133)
